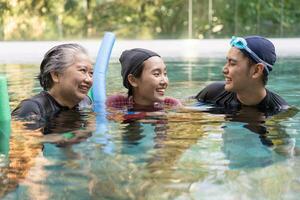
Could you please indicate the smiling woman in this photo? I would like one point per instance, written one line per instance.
(66, 77)
(144, 74)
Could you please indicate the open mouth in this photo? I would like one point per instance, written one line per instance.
(84, 89)
(227, 80)
(160, 91)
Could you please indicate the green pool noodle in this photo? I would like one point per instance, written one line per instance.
(68, 135)
(5, 130)
(90, 94)
(4, 117)
(4, 100)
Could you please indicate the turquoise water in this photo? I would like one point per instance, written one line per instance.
(168, 155)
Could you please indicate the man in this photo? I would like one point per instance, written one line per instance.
(249, 62)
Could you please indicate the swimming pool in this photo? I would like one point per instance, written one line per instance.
(171, 155)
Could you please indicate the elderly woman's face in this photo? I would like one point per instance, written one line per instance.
(75, 82)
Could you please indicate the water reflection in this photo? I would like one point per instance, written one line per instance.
(149, 150)
(269, 143)
(35, 145)
(162, 155)
(21, 157)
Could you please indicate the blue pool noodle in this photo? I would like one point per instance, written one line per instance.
(99, 91)
(100, 68)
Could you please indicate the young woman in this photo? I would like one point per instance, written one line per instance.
(145, 76)
(66, 77)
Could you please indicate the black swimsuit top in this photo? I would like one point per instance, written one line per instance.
(44, 106)
(216, 94)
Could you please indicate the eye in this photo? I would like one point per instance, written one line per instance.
(83, 70)
(91, 73)
(232, 63)
(156, 74)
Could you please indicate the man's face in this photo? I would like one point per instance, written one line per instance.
(237, 71)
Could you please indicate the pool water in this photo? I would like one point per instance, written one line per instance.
(175, 154)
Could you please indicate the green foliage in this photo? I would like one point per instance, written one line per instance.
(146, 19)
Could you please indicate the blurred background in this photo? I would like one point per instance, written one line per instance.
(147, 19)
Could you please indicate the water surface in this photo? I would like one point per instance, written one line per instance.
(175, 154)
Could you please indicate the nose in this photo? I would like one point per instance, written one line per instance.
(89, 78)
(164, 80)
(225, 69)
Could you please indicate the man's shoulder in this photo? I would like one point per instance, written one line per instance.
(210, 91)
(216, 86)
(276, 101)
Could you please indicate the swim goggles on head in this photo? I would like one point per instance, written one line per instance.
(241, 43)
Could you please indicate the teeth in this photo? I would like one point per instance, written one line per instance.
(84, 88)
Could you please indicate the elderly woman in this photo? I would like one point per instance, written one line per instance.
(66, 77)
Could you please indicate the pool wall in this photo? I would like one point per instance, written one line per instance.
(31, 52)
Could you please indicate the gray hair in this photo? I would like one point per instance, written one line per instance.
(57, 59)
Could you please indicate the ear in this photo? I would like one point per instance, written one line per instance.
(55, 77)
(258, 70)
(132, 80)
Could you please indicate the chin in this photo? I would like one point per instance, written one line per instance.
(160, 98)
(81, 96)
(228, 88)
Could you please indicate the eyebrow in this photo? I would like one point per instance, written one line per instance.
(84, 66)
(231, 59)
(159, 69)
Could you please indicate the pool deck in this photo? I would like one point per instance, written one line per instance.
(31, 52)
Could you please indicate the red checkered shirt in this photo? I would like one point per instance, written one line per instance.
(120, 101)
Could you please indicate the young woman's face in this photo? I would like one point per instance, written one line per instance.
(151, 86)
(75, 82)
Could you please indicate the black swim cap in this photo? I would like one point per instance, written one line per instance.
(263, 48)
(132, 60)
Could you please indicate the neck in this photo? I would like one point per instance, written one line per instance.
(253, 96)
(61, 100)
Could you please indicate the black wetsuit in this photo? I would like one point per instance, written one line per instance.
(43, 106)
(216, 94)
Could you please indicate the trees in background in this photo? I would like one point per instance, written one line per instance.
(146, 19)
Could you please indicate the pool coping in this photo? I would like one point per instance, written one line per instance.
(31, 52)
